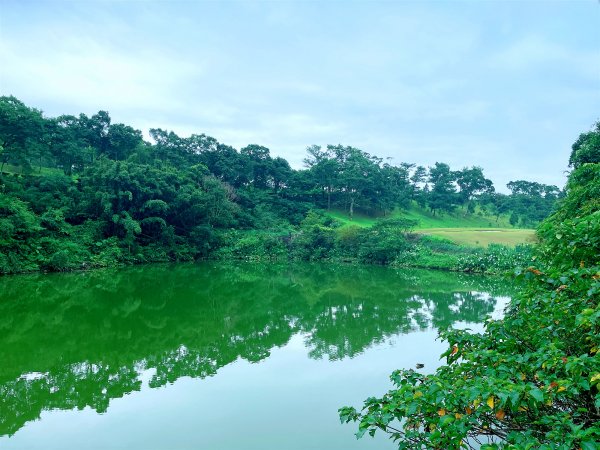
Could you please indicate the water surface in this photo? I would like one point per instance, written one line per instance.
(217, 356)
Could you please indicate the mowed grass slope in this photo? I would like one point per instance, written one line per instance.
(459, 219)
(9, 169)
(425, 219)
(483, 237)
(461, 228)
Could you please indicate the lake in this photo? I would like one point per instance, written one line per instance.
(218, 356)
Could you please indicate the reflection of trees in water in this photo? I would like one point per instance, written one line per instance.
(77, 340)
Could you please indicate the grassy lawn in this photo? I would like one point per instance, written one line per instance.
(9, 169)
(359, 219)
(426, 219)
(464, 229)
(456, 220)
(482, 236)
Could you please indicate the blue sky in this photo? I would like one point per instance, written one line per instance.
(504, 85)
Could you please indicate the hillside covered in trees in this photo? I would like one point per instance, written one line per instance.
(80, 192)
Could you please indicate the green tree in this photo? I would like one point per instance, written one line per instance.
(442, 196)
(67, 143)
(586, 148)
(21, 133)
(259, 159)
(324, 168)
(418, 181)
(96, 130)
(122, 141)
(358, 176)
(531, 202)
(168, 147)
(472, 183)
(393, 187)
(385, 241)
(224, 162)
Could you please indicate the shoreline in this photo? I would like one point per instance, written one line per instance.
(343, 261)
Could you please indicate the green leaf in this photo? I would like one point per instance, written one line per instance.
(589, 445)
(537, 394)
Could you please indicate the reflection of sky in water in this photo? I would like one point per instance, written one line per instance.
(287, 401)
(318, 338)
(497, 313)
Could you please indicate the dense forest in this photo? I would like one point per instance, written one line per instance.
(80, 192)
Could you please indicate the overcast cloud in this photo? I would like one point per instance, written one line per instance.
(504, 85)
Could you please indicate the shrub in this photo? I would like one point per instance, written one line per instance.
(348, 240)
(313, 243)
(382, 246)
(253, 246)
(64, 256)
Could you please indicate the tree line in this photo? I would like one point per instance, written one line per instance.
(98, 186)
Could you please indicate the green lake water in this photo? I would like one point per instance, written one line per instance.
(218, 356)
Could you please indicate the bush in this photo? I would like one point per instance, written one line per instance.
(313, 243)
(382, 246)
(437, 253)
(495, 259)
(64, 256)
(107, 253)
(254, 246)
(348, 240)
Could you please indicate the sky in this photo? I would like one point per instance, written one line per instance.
(505, 85)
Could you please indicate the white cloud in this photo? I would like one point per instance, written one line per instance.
(85, 72)
(533, 52)
(419, 82)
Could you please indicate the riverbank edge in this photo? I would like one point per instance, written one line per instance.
(276, 259)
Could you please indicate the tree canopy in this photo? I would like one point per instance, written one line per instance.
(98, 188)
